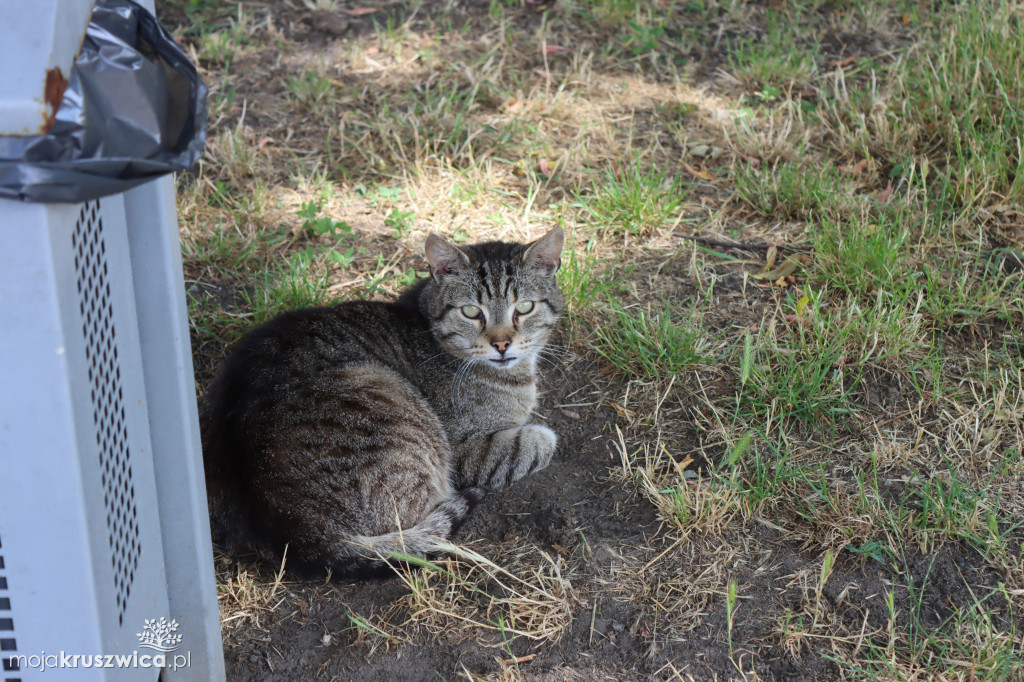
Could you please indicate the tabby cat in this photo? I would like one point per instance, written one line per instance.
(350, 432)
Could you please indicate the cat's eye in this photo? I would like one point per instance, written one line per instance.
(472, 312)
(524, 308)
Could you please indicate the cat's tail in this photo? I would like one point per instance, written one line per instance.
(426, 537)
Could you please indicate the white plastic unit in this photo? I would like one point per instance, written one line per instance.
(103, 519)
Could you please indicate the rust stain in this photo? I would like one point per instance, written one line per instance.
(53, 94)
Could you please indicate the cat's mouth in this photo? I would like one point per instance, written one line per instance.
(505, 362)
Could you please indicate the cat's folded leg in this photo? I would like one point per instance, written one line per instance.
(499, 459)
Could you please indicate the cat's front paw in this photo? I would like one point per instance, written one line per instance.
(514, 453)
(536, 445)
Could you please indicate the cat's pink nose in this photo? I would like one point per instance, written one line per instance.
(502, 346)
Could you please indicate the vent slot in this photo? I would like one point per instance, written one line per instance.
(8, 644)
(107, 399)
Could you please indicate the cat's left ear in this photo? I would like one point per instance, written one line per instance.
(545, 254)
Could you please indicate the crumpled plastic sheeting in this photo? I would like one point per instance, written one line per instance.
(134, 109)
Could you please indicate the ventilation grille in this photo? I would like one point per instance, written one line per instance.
(107, 399)
(8, 645)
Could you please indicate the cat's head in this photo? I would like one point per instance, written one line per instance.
(495, 303)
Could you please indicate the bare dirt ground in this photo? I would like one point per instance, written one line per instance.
(789, 390)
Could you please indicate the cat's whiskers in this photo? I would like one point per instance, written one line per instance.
(460, 374)
(540, 354)
(435, 355)
(554, 347)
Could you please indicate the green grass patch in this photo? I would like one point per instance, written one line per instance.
(970, 642)
(296, 283)
(964, 90)
(634, 201)
(863, 254)
(651, 343)
(800, 367)
(777, 60)
(788, 190)
(584, 279)
(310, 87)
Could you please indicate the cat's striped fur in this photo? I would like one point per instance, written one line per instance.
(354, 431)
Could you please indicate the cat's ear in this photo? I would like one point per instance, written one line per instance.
(545, 254)
(444, 258)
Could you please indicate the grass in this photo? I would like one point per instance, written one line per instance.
(635, 201)
(826, 419)
(776, 61)
(310, 88)
(864, 255)
(964, 96)
(968, 638)
(658, 344)
(787, 190)
(536, 606)
(585, 281)
(800, 371)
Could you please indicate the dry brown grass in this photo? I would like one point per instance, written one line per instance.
(468, 595)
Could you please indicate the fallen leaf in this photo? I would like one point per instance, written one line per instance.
(680, 466)
(787, 268)
(554, 49)
(845, 62)
(1005, 414)
(263, 143)
(623, 411)
(512, 105)
(989, 435)
(703, 174)
(885, 194)
(543, 74)
(546, 168)
(705, 151)
(780, 274)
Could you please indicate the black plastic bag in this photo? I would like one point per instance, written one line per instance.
(134, 109)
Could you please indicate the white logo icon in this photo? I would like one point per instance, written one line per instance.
(159, 635)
